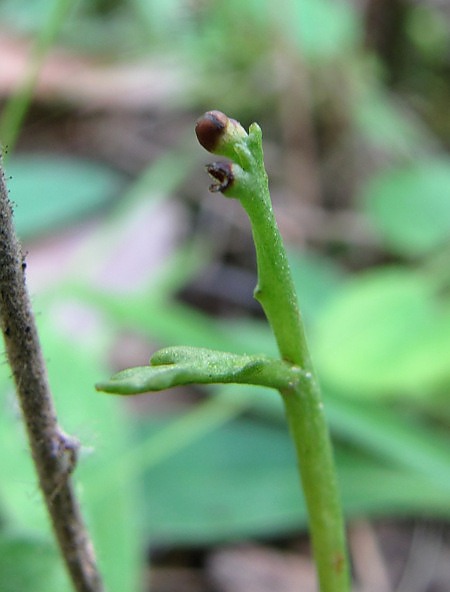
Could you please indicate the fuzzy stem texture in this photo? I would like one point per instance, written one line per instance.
(54, 453)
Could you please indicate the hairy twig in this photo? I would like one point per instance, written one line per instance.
(54, 452)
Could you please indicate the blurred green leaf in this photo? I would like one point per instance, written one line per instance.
(25, 15)
(161, 15)
(19, 493)
(324, 29)
(373, 489)
(410, 206)
(428, 30)
(29, 564)
(52, 191)
(100, 425)
(383, 334)
(388, 126)
(316, 280)
(389, 436)
(236, 481)
(102, 428)
(241, 481)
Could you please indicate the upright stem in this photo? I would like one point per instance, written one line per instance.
(246, 179)
(54, 453)
(309, 431)
(304, 409)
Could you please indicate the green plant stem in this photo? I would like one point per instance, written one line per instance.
(294, 377)
(275, 289)
(303, 404)
(304, 411)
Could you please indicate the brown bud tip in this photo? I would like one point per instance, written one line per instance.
(222, 174)
(210, 128)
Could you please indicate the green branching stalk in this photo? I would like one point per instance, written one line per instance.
(293, 376)
(275, 291)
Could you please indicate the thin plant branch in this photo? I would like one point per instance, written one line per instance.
(245, 178)
(54, 453)
(293, 375)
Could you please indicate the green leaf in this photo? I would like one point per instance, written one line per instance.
(388, 127)
(51, 191)
(373, 489)
(19, 493)
(241, 481)
(383, 334)
(101, 426)
(25, 16)
(237, 481)
(377, 429)
(389, 436)
(410, 206)
(316, 279)
(29, 564)
(324, 29)
(174, 366)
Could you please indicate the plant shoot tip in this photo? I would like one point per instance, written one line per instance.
(209, 129)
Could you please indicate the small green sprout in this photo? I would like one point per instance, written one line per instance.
(244, 177)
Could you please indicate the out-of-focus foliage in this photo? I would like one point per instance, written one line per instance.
(40, 566)
(410, 206)
(73, 368)
(386, 334)
(54, 191)
(377, 310)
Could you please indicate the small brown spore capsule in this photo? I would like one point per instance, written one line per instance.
(222, 173)
(210, 128)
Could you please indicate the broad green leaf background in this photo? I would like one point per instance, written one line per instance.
(52, 191)
(410, 206)
(40, 566)
(99, 425)
(385, 335)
